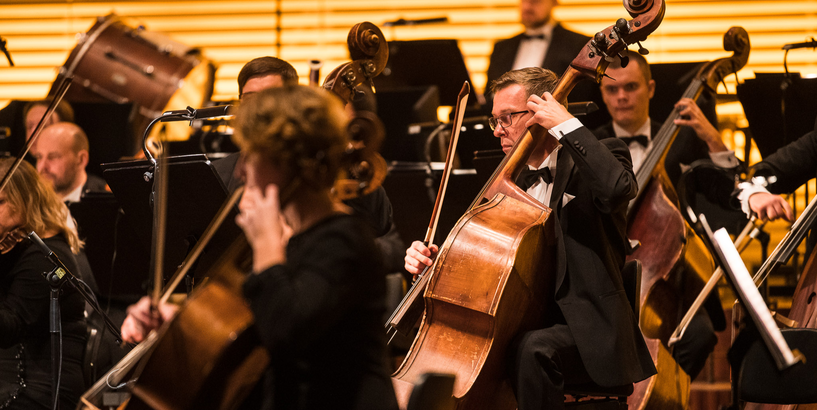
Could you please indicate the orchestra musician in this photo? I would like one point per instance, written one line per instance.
(257, 75)
(545, 42)
(590, 333)
(61, 152)
(627, 93)
(316, 272)
(29, 203)
(34, 111)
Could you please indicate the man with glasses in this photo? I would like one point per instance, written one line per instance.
(590, 334)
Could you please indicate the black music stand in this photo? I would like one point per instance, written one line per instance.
(771, 366)
(410, 65)
(195, 194)
(780, 108)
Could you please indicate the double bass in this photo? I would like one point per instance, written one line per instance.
(491, 279)
(676, 263)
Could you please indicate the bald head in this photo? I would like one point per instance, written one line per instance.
(62, 154)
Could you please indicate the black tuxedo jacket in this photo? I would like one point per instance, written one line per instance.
(563, 48)
(591, 249)
(793, 165)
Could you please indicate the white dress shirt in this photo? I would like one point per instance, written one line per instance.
(532, 51)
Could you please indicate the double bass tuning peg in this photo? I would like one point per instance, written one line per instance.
(641, 50)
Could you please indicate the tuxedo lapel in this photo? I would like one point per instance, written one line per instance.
(564, 168)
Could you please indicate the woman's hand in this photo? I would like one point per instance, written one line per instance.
(264, 226)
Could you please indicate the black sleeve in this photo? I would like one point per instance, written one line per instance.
(793, 165)
(296, 303)
(27, 293)
(605, 164)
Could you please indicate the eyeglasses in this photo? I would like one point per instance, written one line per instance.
(505, 120)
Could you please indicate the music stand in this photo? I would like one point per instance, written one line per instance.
(409, 65)
(767, 369)
(780, 109)
(195, 194)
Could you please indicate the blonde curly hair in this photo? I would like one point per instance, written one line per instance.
(40, 207)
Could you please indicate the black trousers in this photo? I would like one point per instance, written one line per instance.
(541, 362)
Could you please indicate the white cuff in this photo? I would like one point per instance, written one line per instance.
(565, 128)
(747, 189)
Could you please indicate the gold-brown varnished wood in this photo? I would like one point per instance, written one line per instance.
(482, 300)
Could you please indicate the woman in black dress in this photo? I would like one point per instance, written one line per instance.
(317, 290)
(29, 204)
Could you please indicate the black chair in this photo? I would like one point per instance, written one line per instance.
(590, 396)
(434, 392)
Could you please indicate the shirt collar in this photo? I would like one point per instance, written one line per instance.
(547, 29)
(645, 129)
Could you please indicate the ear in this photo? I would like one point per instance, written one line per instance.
(82, 157)
(651, 86)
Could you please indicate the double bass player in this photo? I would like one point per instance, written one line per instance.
(590, 333)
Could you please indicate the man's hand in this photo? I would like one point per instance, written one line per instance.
(547, 112)
(693, 117)
(142, 319)
(769, 207)
(418, 256)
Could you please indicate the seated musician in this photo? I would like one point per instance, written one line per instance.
(29, 203)
(627, 96)
(591, 333)
(628, 102)
(33, 112)
(61, 152)
(323, 282)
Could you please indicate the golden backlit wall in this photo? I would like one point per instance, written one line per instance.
(41, 34)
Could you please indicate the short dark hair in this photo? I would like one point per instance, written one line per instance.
(63, 109)
(263, 66)
(635, 58)
(535, 80)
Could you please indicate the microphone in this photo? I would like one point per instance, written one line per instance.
(808, 44)
(62, 270)
(191, 113)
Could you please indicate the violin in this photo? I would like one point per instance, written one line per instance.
(11, 238)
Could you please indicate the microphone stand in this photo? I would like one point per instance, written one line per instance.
(56, 278)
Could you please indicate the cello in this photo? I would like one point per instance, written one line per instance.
(673, 256)
(490, 280)
(207, 356)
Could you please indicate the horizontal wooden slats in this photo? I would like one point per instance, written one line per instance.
(41, 34)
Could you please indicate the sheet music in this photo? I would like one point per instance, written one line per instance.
(753, 301)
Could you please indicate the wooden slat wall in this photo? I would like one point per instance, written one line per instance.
(40, 34)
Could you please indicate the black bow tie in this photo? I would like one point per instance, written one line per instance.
(533, 36)
(528, 177)
(641, 139)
